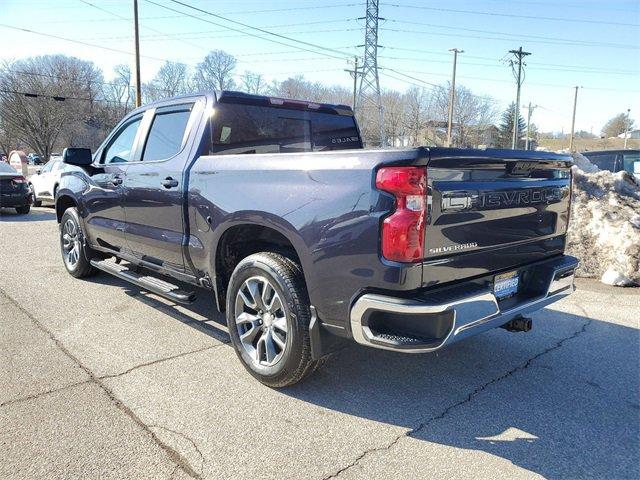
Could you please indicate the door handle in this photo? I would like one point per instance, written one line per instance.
(116, 180)
(169, 183)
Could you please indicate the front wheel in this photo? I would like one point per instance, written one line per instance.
(268, 316)
(23, 210)
(75, 252)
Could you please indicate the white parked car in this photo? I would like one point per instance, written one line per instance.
(44, 182)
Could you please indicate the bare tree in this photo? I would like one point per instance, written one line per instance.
(253, 83)
(299, 88)
(215, 72)
(172, 79)
(417, 104)
(469, 110)
(617, 125)
(393, 104)
(45, 99)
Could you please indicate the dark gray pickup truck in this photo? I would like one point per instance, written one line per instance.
(307, 240)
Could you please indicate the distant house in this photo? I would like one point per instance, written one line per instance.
(483, 136)
(435, 133)
(632, 134)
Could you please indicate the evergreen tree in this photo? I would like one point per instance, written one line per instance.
(505, 130)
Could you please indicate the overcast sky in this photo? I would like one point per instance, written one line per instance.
(591, 43)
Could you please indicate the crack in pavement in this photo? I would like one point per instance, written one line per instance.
(188, 439)
(466, 400)
(33, 396)
(173, 455)
(160, 360)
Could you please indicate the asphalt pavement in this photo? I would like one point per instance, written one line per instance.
(99, 379)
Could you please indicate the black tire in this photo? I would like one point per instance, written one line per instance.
(285, 277)
(23, 210)
(36, 202)
(81, 267)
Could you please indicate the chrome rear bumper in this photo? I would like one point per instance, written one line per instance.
(467, 313)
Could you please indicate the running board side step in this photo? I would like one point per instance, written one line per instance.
(151, 284)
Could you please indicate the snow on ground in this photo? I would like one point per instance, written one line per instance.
(604, 231)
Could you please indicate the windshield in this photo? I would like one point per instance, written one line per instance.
(6, 168)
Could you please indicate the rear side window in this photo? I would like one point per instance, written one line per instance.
(245, 129)
(605, 161)
(167, 132)
(6, 168)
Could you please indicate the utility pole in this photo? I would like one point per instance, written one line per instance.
(517, 62)
(452, 94)
(137, 47)
(573, 118)
(626, 130)
(530, 111)
(369, 92)
(354, 74)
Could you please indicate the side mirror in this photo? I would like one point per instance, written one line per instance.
(77, 156)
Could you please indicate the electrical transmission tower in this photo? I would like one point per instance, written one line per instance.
(369, 93)
(518, 72)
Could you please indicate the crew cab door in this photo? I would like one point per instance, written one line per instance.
(154, 185)
(103, 201)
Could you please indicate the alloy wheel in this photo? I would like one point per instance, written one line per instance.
(261, 321)
(70, 243)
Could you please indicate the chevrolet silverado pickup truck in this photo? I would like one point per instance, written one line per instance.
(308, 241)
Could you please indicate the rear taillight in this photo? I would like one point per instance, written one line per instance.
(18, 180)
(403, 230)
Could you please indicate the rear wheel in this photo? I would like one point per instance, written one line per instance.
(23, 210)
(36, 202)
(268, 315)
(75, 252)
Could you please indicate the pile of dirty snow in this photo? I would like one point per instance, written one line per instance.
(604, 231)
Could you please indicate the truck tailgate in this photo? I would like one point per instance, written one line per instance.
(493, 210)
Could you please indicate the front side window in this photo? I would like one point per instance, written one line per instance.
(121, 147)
(245, 129)
(631, 162)
(167, 133)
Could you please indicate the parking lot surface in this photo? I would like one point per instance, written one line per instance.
(100, 379)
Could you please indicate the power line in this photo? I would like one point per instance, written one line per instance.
(58, 98)
(64, 77)
(205, 33)
(236, 35)
(408, 76)
(79, 42)
(344, 55)
(146, 27)
(540, 84)
(435, 52)
(550, 42)
(495, 65)
(512, 15)
(163, 17)
(510, 35)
